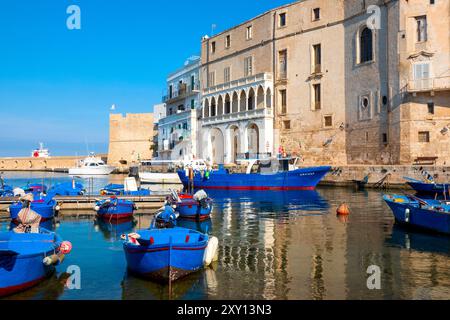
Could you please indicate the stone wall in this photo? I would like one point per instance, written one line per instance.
(40, 164)
(130, 139)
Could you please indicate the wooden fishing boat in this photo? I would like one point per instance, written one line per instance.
(168, 254)
(429, 188)
(45, 207)
(26, 259)
(114, 208)
(67, 189)
(431, 215)
(192, 207)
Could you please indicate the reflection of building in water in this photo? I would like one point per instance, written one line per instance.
(316, 259)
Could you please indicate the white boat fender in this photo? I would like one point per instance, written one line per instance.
(96, 208)
(54, 259)
(7, 210)
(407, 215)
(58, 208)
(211, 251)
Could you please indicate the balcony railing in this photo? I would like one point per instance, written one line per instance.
(260, 77)
(184, 91)
(430, 84)
(243, 115)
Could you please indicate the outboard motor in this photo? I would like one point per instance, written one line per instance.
(167, 218)
(202, 198)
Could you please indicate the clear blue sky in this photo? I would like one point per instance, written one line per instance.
(57, 85)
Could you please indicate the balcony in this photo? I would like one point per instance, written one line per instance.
(429, 85)
(240, 83)
(243, 115)
(184, 91)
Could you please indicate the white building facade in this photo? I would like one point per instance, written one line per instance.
(177, 131)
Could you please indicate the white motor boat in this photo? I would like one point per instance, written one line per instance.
(41, 152)
(147, 174)
(91, 166)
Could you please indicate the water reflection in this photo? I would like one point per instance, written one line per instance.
(112, 230)
(419, 241)
(50, 289)
(204, 226)
(193, 287)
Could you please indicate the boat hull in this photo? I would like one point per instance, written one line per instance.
(190, 209)
(429, 188)
(45, 210)
(94, 171)
(164, 262)
(419, 217)
(120, 211)
(159, 178)
(301, 179)
(21, 260)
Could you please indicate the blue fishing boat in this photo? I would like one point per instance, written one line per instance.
(277, 174)
(45, 207)
(115, 208)
(428, 188)
(35, 188)
(197, 207)
(119, 190)
(27, 259)
(432, 215)
(67, 189)
(165, 254)
(6, 191)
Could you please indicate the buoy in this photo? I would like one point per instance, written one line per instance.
(96, 208)
(343, 210)
(211, 251)
(57, 208)
(65, 247)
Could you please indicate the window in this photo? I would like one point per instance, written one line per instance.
(248, 66)
(227, 41)
(213, 47)
(282, 19)
(170, 92)
(421, 28)
(192, 82)
(328, 121)
(283, 100)
(212, 79)
(185, 126)
(249, 33)
(317, 96)
(316, 14)
(424, 136)
(192, 104)
(287, 124)
(226, 75)
(422, 75)
(282, 64)
(385, 138)
(365, 46)
(431, 107)
(317, 58)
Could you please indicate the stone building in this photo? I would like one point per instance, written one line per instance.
(130, 138)
(339, 82)
(177, 130)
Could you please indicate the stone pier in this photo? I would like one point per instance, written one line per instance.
(61, 164)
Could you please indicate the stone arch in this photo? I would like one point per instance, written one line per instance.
(213, 112)
(269, 98)
(260, 98)
(235, 103)
(235, 142)
(243, 101)
(251, 99)
(220, 106)
(364, 44)
(217, 146)
(227, 104)
(253, 138)
(206, 109)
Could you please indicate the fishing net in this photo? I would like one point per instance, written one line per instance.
(28, 219)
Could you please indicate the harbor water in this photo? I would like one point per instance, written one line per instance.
(272, 245)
